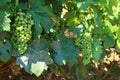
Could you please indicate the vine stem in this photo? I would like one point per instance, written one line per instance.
(16, 2)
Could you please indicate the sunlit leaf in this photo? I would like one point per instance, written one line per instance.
(4, 21)
(97, 50)
(35, 57)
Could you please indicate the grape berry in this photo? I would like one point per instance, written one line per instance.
(85, 43)
(21, 31)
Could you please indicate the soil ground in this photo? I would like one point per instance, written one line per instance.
(109, 70)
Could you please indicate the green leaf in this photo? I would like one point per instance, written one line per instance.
(46, 23)
(118, 45)
(5, 35)
(107, 28)
(4, 21)
(80, 0)
(69, 18)
(63, 1)
(98, 17)
(71, 5)
(96, 50)
(76, 30)
(44, 10)
(9, 8)
(118, 33)
(85, 5)
(22, 6)
(66, 52)
(37, 7)
(38, 68)
(36, 3)
(4, 1)
(98, 31)
(37, 29)
(57, 7)
(41, 21)
(5, 50)
(109, 42)
(35, 57)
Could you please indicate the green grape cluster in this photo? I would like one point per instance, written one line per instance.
(21, 31)
(85, 43)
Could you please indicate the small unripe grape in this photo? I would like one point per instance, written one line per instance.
(21, 31)
(85, 43)
(19, 28)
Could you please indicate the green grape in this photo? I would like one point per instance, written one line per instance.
(21, 31)
(19, 28)
(22, 48)
(85, 43)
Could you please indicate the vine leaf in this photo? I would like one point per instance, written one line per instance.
(96, 50)
(36, 3)
(117, 45)
(4, 1)
(4, 21)
(118, 40)
(35, 57)
(41, 21)
(98, 17)
(37, 7)
(42, 17)
(46, 23)
(37, 29)
(85, 5)
(57, 7)
(66, 52)
(5, 50)
(109, 42)
(37, 68)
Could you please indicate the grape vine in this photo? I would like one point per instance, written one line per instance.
(21, 31)
(58, 30)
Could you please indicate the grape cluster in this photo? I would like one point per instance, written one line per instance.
(21, 31)
(85, 43)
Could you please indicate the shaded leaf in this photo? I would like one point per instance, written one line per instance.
(76, 30)
(37, 28)
(9, 8)
(66, 52)
(41, 21)
(85, 5)
(46, 23)
(57, 7)
(36, 3)
(4, 1)
(5, 50)
(44, 10)
(109, 42)
(98, 17)
(23, 6)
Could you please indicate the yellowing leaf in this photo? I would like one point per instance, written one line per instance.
(38, 68)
